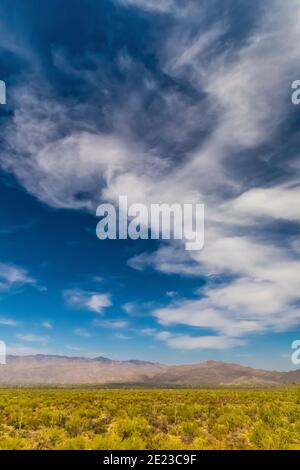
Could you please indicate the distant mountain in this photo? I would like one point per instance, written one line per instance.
(292, 376)
(212, 373)
(43, 369)
(64, 370)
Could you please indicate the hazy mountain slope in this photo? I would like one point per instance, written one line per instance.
(291, 377)
(216, 373)
(62, 370)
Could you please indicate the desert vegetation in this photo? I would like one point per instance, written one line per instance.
(150, 419)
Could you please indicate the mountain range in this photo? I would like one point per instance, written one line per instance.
(64, 370)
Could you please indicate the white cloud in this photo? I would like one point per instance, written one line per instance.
(129, 307)
(87, 300)
(163, 335)
(121, 336)
(113, 324)
(249, 85)
(277, 203)
(17, 350)
(161, 6)
(138, 309)
(187, 342)
(202, 342)
(9, 322)
(168, 259)
(74, 348)
(32, 338)
(90, 159)
(259, 296)
(171, 293)
(46, 324)
(13, 276)
(82, 332)
(148, 331)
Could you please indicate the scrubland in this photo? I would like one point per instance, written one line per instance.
(150, 419)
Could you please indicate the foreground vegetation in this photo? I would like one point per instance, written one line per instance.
(149, 419)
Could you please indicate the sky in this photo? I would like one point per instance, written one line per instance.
(164, 101)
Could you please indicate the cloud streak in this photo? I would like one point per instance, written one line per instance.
(9, 322)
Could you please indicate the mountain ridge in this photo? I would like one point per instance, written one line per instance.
(76, 370)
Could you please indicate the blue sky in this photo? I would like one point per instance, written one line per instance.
(162, 101)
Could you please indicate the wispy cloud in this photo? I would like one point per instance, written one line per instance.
(202, 342)
(32, 338)
(74, 348)
(171, 293)
(9, 322)
(87, 300)
(112, 324)
(138, 309)
(260, 296)
(188, 342)
(148, 331)
(161, 6)
(14, 276)
(82, 332)
(121, 336)
(24, 350)
(130, 307)
(60, 181)
(47, 324)
(12, 229)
